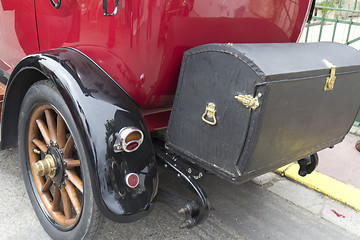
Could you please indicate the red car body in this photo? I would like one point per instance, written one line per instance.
(141, 46)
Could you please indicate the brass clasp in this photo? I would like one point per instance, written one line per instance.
(210, 113)
(330, 81)
(249, 101)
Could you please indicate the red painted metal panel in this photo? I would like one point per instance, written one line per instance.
(18, 36)
(142, 45)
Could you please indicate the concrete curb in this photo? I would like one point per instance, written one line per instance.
(331, 187)
(355, 129)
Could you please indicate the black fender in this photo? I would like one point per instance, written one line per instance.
(100, 107)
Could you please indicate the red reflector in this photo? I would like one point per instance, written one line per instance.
(132, 146)
(132, 180)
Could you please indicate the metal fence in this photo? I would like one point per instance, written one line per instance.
(335, 21)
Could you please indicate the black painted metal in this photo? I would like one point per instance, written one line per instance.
(57, 155)
(100, 108)
(115, 11)
(296, 117)
(312, 8)
(308, 164)
(195, 211)
(56, 4)
(4, 77)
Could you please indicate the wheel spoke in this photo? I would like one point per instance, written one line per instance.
(56, 199)
(72, 176)
(73, 196)
(51, 124)
(60, 131)
(71, 163)
(44, 131)
(66, 203)
(47, 185)
(41, 145)
(69, 147)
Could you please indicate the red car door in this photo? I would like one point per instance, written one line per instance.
(18, 36)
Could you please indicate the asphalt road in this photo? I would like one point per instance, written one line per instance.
(270, 207)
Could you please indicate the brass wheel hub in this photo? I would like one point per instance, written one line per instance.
(45, 167)
(52, 165)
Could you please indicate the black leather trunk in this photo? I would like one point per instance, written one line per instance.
(299, 112)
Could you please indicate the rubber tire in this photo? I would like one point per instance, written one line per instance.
(40, 93)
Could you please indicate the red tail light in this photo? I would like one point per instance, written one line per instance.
(128, 139)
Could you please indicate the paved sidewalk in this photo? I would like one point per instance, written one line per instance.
(272, 208)
(337, 175)
(342, 162)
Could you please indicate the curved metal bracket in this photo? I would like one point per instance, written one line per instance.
(56, 5)
(116, 9)
(195, 211)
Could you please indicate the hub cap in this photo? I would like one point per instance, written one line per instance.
(45, 167)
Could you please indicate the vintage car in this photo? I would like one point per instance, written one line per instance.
(100, 93)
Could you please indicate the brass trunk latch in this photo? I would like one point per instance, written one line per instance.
(210, 114)
(249, 101)
(330, 81)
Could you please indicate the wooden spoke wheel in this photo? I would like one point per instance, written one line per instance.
(56, 169)
(54, 165)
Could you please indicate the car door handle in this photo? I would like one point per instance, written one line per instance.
(116, 8)
(56, 4)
